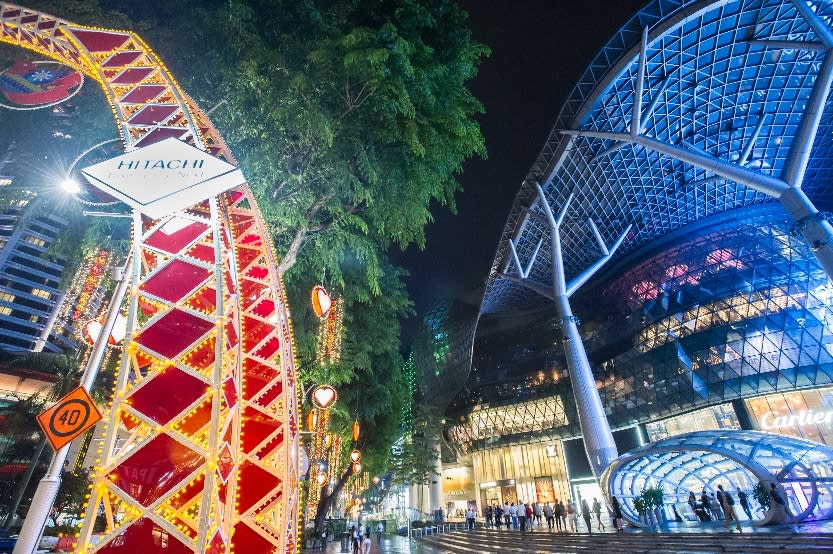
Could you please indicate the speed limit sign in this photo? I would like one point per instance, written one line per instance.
(68, 417)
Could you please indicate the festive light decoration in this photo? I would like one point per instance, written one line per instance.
(92, 329)
(321, 479)
(31, 85)
(330, 334)
(321, 301)
(210, 462)
(407, 406)
(356, 430)
(357, 468)
(355, 456)
(324, 396)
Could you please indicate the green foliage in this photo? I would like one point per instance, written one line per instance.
(653, 497)
(761, 494)
(640, 505)
(413, 461)
(71, 497)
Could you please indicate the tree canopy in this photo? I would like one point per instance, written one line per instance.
(351, 120)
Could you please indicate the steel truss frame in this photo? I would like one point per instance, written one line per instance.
(209, 331)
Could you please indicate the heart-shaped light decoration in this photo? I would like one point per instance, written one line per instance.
(321, 479)
(321, 301)
(324, 396)
(357, 468)
(355, 456)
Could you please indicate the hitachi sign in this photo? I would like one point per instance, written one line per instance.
(161, 164)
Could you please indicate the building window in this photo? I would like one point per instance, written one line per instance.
(5, 310)
(6, 297)
(35, 240)
(41, 293)
(716, 417)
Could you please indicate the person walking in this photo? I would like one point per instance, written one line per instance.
(549, 515)
(585, 514)
(560, 511)
(498, 516)
(776, 497)
(617, 513)
(539, 510)
(507, 515)
(728, 507)
(597, 509)
(522, 515)
(513, 509)
(714, 505)
(489, 515)
(380, 528)
(366, 544)
(744, 503)
(572, 516)
(530, 513)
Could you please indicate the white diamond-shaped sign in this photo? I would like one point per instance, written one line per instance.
(163, 178)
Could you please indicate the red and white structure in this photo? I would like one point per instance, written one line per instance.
(201, 448)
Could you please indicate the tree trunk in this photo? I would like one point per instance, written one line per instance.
(24, 483)
(292, 253)
(326, 500)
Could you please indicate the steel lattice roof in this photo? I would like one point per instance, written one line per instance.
(716, 82)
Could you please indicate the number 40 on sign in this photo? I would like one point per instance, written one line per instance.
(68, 417)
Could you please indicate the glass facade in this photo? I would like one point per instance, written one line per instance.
(806, 414)
(721, 416)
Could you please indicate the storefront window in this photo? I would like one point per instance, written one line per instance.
(715, 417)
(806, 414)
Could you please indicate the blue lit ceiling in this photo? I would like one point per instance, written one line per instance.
(722, 78)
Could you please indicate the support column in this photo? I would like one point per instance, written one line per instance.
(435, 490)
(598, 438)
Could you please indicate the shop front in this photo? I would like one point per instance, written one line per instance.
(458, 491)
(806, 414)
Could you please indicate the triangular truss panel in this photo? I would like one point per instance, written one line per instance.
(208, 359)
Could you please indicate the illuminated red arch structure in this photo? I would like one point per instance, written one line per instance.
(201, 450)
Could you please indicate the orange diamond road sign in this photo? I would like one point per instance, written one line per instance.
(69, 417)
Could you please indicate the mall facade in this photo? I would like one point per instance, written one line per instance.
(684, 138)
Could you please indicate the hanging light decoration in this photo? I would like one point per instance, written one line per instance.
(321, 301)
(355, 456)
(330, 334)
(328, 440)
(324, 396)
(356, 430)
(312, 419)
(321, 479)
(92, 329)
(357, 468)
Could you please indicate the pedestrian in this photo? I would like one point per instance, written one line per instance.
(507, 516)
(366, 544)
(521, 511)
(513, 510)
(776, 497)
(539, 510)
(617, 513)
(744, 503)
(572, 516)
(728, 507)
(357, 543)
(585, 514)
(498, 516)
(489, 515)
(380, 528)
(714, 506)
(530, 513)
(560, 511)
(549, 514)
(597, 509)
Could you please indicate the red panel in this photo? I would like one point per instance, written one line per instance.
(185, 494)
(133, 75)
(270, 446)
(203, 253)
(175, 280)
(143, 93)
(152, 115)
(202, 356)
(29, 18)
(177, 240)
(254, 331)
(161, 134)
(174, 332)
(271, 394)
(146, 537)
(259, 482)
(196, 420)
(122, 58)
(268, 349)
(100, 41)
(256, 428)
(11, 13)
(204, 301)
(154, 469)
(47, 24)
(255, 377)
(265, 308)
(230, 391)
(177, 388)
(245, 539)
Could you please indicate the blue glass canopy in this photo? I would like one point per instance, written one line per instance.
(727, 79)
(734, 459)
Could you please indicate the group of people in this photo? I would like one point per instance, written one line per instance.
(720, 505)
(361, 537)
(525, 516)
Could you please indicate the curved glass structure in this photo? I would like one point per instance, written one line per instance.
(739, 459)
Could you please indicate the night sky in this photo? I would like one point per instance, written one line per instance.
(539, 50)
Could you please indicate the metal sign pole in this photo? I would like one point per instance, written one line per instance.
(47, 490)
